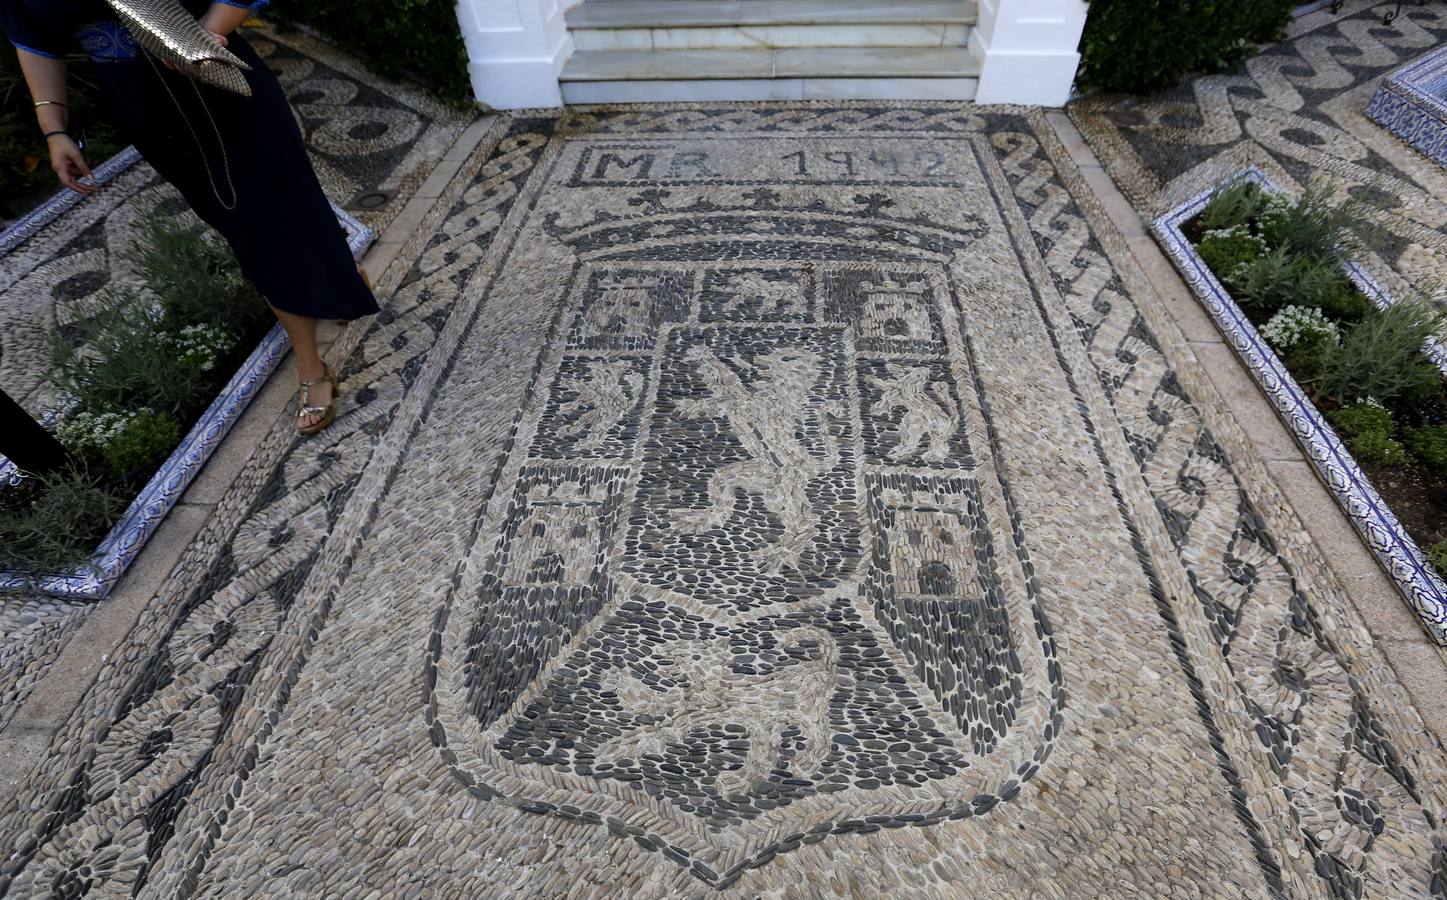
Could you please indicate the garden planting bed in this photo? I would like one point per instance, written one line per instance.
(1393, 494)
(1411, 103)
(234, 357)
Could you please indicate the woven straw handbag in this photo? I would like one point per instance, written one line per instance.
(168, 32)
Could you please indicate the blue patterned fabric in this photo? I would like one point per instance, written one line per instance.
(107, 41)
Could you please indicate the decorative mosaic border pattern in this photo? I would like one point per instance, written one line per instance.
(141, 519)
(1394, 548)
(1401, 106)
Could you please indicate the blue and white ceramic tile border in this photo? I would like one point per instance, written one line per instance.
(1403, 107)
(1398, 553)
(141, 519)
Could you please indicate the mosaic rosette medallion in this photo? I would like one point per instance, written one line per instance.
(750, 576)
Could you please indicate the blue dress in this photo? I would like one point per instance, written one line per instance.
(261, 193)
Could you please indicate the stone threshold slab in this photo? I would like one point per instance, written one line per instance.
(687, 13)
(799, 62)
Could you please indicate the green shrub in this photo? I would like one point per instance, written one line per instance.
(1323, 284)
(1235, 203)
(123, 359)
(1313, 226)
(1334, 293)
(1382, 357)
(421, 38)
(1229, 250)
(202, 346)
(1363, 418)
(122, 441)
(59, 529)
(1368, 432)
(1268, 282)
(1437, 556)
(1144, 46)
(1429, 444)
(196, 278)
(1378, 449)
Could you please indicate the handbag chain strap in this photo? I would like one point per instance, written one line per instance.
(221, 144)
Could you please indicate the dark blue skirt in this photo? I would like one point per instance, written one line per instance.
(280, 225)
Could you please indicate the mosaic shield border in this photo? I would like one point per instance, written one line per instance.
(718, 858)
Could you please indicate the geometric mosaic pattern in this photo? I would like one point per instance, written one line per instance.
(1297, 110)
(793, 500)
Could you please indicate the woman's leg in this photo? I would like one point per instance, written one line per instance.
(309, 367)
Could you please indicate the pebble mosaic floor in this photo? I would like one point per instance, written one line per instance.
(362, 133)
(784, 501)
(1296, 110)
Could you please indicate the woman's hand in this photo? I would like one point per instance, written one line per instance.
(69, 164)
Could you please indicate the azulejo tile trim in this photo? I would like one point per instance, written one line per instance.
(143, 516)
(1411, 103)
(1398, 553)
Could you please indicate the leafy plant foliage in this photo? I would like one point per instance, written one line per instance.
(1368, 430)
(65, 514)
(1144, 46)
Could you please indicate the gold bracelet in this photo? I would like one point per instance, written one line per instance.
(40, 103)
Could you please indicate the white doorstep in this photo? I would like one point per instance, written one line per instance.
(694, 13)
(669, 37)
(713, 89)
(803, 62)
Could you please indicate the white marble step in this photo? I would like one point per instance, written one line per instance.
(715, 89)
(702, 13)
(600, 25)
(796, 63)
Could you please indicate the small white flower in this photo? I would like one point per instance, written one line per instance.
(1295, 324)
(1235, 232)
(201, 345)
(87, 431)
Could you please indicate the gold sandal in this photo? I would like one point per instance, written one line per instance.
(328, 413)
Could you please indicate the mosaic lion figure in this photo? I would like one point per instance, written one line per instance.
(767, 417)
(706, 692)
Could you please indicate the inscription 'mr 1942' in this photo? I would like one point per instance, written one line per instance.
(756, 576)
